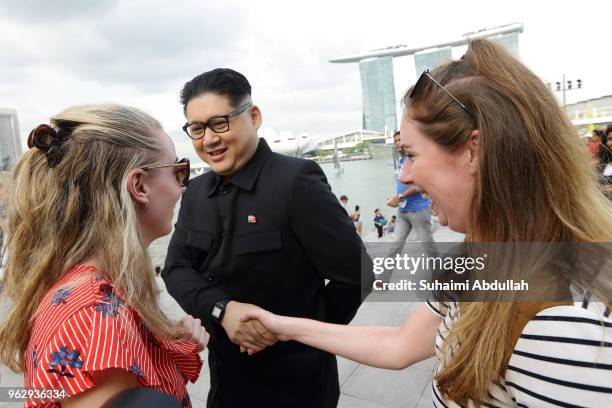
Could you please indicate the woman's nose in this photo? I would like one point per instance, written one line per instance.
(406, 172)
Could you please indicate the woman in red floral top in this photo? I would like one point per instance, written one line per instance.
(94, 190)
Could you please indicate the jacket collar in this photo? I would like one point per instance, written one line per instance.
(246, 177)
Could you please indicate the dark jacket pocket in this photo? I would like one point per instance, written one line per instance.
(258, 241)
(201, 240)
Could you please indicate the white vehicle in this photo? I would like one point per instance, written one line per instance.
(287, 143)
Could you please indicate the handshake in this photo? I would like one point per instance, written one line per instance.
(251, 327)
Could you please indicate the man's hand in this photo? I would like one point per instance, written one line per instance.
(276, 324)
(393, 201)
(250, 335)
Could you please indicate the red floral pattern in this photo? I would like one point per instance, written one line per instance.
(89, 328)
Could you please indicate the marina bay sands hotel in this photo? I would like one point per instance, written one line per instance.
(376, 70)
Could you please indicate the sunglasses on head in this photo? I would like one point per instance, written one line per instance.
(420, 83)
(182, 172)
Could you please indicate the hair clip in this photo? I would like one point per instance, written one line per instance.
(45, 138)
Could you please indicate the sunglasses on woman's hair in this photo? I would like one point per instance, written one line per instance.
(418, 86)
(182, 172)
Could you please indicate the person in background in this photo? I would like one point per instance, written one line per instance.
(595, 142)
(344, 203)
(379, 222)
(356, 219)
(605, 163)
(605, 148)
(413, 212)
(96, 187)
(413, 208)
(391, 226)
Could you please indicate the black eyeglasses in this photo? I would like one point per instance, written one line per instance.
(218, 124)
(182, 173)
(421, 82)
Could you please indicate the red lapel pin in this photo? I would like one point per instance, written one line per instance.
(252, 219)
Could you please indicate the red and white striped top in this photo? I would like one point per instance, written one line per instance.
(83, 325)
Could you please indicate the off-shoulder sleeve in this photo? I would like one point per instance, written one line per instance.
(95, 338)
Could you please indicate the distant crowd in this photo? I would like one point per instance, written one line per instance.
(600, 148)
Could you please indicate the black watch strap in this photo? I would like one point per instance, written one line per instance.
(218, 310)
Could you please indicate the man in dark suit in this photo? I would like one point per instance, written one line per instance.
(260, 230)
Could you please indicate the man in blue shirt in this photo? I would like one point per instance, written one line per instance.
(413, 210)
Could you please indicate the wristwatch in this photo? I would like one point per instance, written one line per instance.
(218, 310)
(401, 197)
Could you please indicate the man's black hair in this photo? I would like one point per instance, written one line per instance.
(219, 81)
(396, 133)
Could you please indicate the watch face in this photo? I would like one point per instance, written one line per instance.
(216, 312)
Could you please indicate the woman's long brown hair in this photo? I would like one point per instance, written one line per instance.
(534, 184)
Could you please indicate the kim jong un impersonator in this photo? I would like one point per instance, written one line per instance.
(260, 229)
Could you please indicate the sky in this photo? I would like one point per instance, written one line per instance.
(55, 54)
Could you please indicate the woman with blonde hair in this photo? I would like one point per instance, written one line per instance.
(97, 186)
(502, 163)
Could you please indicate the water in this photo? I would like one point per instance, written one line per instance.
(367, 183)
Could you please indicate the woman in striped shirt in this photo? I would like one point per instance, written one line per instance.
(503, 164)
(95, 189)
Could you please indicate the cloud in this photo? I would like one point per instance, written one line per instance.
(142, 52)
(143, 44)
(36, 12)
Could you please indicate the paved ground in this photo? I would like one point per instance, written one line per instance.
(361, 386)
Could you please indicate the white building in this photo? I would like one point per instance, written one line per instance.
(10, 144)
(591, 113)
(351, 139)
(379, 107)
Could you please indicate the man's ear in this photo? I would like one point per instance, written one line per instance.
(256, 117)
(473, 146)
(136, 187)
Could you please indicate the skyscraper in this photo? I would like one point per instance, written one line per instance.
(429, 59)
(376, 69)
(378, 91)
(510, 42)
(10, 145)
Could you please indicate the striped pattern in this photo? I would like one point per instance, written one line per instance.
(563, 358)
(83, 325)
